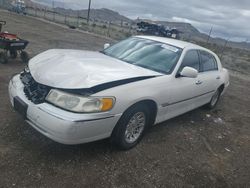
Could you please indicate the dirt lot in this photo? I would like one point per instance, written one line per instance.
(199, 149)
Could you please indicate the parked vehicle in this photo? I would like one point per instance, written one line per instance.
(74, 96)
(11, 46)
(157, 30)
(18, 6)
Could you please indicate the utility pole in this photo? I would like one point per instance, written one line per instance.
(78, 17)
(53, 6)
(246, 43)
(210, 32)
(224, 47)
(89, 11)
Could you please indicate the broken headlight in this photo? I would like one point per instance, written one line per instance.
(80, 104)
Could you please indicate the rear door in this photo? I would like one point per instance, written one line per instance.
(208, 78)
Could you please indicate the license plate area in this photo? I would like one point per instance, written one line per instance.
(20, 106)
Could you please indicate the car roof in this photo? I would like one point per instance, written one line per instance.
(173, 42)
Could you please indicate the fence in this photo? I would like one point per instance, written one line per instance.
(106, 28)
(4, 4)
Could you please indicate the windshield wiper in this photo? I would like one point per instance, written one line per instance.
(151, 68)
(127, 61)
(102, 52)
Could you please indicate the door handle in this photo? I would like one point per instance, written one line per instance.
(218, 77)
(198, 82)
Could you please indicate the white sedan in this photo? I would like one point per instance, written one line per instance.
(74, 96)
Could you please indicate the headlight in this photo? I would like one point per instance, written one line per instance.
(76, 103)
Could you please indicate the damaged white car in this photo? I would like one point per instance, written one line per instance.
(74, 96)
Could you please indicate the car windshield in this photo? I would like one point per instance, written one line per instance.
(149, 54)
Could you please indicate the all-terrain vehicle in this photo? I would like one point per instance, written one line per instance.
(11, 46)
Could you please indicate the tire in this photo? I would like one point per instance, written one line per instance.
(24, 57)
(124, 135)
(3, 58)
(13, 54)
(214, 100)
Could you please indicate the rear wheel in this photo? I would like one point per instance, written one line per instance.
(3, 57)
(214, 100)
(24, 57)
(13, 54)
(131, 127)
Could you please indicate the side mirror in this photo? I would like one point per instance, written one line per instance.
(189, 72)
(106, 45)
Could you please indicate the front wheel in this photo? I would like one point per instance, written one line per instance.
(131, 127)
(214, 100)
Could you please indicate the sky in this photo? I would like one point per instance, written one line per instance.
(229, 18)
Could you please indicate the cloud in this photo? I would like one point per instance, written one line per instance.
(229, 18)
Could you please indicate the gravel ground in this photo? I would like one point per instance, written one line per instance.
(199, 149)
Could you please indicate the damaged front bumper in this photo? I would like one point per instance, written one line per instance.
(60, 125)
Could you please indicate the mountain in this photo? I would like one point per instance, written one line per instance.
(183, 27)
(189, 32)
(97, 14)
(49, 3)
(102, 14)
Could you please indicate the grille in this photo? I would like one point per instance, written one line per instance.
(34, 91)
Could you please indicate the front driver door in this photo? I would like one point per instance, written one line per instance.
(183, 89)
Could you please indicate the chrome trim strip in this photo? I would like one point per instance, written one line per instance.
(95, 119)
(169, 104)
(86, 120)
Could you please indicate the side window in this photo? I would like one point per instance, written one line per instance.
(191, 59)
(208, 61)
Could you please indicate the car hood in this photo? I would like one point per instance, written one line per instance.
(77, 69)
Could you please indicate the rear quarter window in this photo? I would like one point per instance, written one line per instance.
(208, 61)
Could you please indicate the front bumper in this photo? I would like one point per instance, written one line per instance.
(63, 126)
